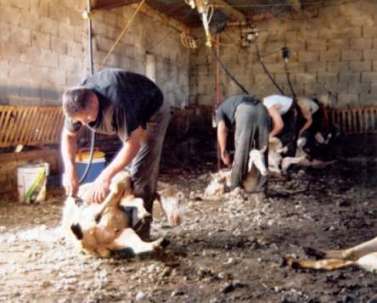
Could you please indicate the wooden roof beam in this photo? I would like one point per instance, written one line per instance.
(160, 17)
(102, 4)
(145, 9)
(227, 8)
(295, 4)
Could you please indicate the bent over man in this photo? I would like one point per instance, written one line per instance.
(114, 101)
(251, 122)
(283, 113)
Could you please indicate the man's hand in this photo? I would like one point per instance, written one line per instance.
(225, 157)
(301, 142)
(71, 183)
(98, 191)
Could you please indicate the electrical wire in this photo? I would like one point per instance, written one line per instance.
(91, 154)
(92, 132)
(294, 96)
(265, 69)
(229, 74)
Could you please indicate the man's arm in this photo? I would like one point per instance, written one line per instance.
(68, 152)
(277, 121)
(121, 160)
(309, 120)
(126, 153)
(222, 134)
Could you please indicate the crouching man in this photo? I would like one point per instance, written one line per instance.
(251, 123)
(114, 101)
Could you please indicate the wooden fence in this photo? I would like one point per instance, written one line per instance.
(30, 125)
(362, 120)
(36, 125)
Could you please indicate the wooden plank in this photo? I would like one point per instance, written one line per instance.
(34, 125)
(161, 17)
(46, 118)
(365, 120)
(223, 5)
(58, 126)
(5, 127)
(51, 130)
(349, 121)
(24, 128)
(354, 121)
(48, 125)
(110, 4)
(343, 121)
(14, 126)
(3, 113)
(23, 116)
(28, 128)
(29, 125)
(8, 125)
(55, 129)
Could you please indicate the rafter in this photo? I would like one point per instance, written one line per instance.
(157, 15)
(110, 4)
(226, 7)
(295, 4)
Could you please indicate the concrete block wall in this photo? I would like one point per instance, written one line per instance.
(44, 49)
(41, 49)
(332, 48)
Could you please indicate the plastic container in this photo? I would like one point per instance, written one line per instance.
(31, 182)
(97, 166)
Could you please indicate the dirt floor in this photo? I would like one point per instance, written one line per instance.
(230, 250)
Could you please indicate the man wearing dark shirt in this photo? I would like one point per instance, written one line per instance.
(114, 101)
(250, 119)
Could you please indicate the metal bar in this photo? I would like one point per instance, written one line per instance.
(90, 37)
(217, 102)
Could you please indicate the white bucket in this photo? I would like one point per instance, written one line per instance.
(31, 182)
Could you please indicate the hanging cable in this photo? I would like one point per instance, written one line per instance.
(266, 69)
(123, 32)
(91, 66)
(229, 74)
(285, 55)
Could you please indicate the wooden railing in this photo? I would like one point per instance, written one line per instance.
(37, 125)
(362, 120)
(30, 125)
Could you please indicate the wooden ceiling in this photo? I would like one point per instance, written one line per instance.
(236, 10)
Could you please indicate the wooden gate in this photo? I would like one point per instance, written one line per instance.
(362, 120)
(30, 125)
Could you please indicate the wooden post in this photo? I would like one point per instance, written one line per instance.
(218, 92)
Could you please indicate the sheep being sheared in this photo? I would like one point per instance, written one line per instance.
(101, 228)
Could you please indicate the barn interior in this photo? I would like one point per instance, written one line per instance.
(232, 248)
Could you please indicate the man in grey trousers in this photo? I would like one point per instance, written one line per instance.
(114, 101)
(251, 122)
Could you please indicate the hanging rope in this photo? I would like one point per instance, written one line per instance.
(229, 74)
(285, 55)
(123, 32)
(259, 57)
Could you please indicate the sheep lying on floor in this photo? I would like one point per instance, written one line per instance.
(101, 228)
(221, 180)
(275, 151)
(363, 255)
